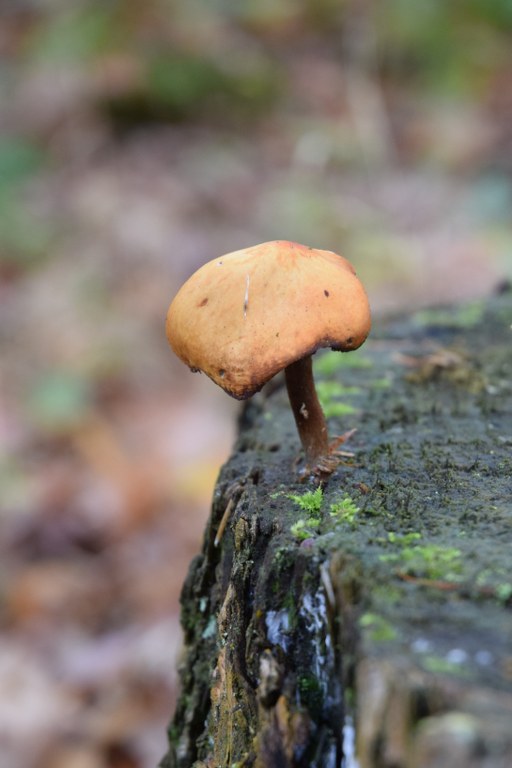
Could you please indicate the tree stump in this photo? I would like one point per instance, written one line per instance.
(382, 597)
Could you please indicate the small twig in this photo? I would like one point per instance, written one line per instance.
(448, 586)
(463, 588)
(223, 522)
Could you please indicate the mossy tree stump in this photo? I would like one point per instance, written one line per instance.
(385, 594)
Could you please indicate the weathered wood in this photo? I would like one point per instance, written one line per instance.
(397, 613)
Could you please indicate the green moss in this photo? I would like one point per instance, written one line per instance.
(305, 529)
(173, 733)
(403, 539)
(466, 316)
(382, 383)
(440, 666)
(329, 363)
(330, 394)
(504, 592)
(495, 580)
(378, 629)
(310, 692)
(332, 388)
(308, 683)
(311, 501)
(430, 561)
(333, 409)
(344, 510)
(283, 556)
(387, 594)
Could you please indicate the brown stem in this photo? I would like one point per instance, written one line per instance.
(307, 410)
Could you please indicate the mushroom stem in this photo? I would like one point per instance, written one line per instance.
(307, 410)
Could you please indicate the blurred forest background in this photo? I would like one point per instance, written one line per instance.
(137, 141)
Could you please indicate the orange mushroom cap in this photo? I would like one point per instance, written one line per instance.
(245, 316)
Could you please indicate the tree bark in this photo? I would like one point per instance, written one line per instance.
(385, 600)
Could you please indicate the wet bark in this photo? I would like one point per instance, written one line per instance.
(385, 598)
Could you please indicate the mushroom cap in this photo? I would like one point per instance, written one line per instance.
(245, 316)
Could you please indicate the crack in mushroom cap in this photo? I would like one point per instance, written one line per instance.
(247, 315)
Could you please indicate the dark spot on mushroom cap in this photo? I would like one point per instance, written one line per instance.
(210, 340)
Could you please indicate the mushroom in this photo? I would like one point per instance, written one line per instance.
(245, 316)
